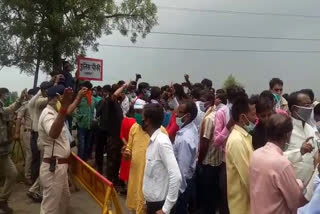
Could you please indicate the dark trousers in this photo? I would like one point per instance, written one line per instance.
(93, 141)
(209, 189)
(153, 207)
(114, 159)
(184, 200)
(101, 143)
(84, 142)
(35, 163)
(224, 209)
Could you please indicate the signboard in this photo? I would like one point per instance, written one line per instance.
(90, 69)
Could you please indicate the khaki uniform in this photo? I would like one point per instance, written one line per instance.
(7, 167)
(56, 194)
(35, 107)
(24, 115)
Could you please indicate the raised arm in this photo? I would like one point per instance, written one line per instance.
(58, 123)
(189, 84)
(118, 92)
(16, 105)
(76, 102)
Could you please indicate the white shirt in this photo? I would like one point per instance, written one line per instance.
(125, 106)
(36, 106)
(197, 121)
(162, 178)
(303, 166)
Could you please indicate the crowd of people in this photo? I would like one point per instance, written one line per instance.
(182, 148)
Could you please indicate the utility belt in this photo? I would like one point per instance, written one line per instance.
(57, 160)
(53, 161)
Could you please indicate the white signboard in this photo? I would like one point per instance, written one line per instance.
(90, 69)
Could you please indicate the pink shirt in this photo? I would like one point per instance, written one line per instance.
(221, 132)
(273, 186)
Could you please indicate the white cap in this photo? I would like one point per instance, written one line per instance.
(139, 104)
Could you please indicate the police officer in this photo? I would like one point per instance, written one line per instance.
(52, 136)
(7, 167)
(35, 107)
(23, 132)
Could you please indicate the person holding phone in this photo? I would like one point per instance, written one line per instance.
(301, 148)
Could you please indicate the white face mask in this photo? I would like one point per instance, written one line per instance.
(202, 107)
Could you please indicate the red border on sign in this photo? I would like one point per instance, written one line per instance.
(89, 59)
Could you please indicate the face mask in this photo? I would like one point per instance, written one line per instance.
(138, 118)
(277, 97)
(147, 93)
(202, 107)
(304, 113)
(286, 145)
(250, 127)
(179, 121)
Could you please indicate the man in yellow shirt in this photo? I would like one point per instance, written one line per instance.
(238, 152)
(136, 152)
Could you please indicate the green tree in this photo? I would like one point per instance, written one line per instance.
(231, 81)
(39, 34)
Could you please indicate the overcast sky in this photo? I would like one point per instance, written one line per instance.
(254, 70)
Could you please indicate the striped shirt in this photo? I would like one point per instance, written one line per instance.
(214, 155)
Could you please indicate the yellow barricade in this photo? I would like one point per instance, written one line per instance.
(100, 188)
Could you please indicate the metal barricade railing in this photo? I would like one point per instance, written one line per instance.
(100, 188)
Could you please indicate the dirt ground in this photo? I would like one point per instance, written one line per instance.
(81, 203)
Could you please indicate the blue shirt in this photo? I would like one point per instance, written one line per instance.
(313, 206)
(185, 150)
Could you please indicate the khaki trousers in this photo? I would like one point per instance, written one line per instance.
(9, 171)
(26, 135)
(36, 187)
(56, 194)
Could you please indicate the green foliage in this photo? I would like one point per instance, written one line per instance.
(50, 30)
(230, 82)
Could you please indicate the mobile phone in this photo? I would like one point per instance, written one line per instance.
(53, 163)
